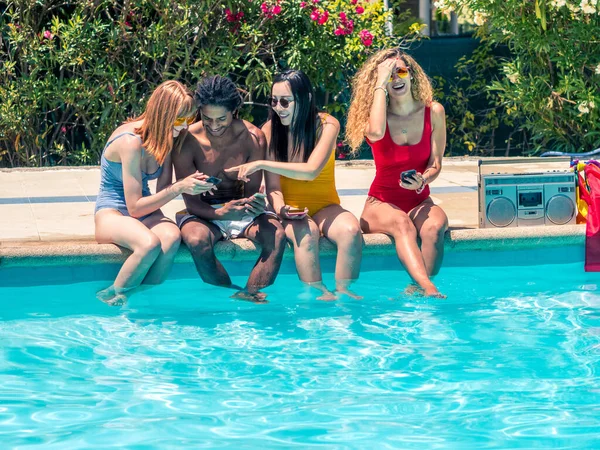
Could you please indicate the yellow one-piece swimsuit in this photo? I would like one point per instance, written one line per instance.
(314, 195)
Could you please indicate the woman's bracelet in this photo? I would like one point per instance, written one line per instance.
(384, 91)
(422, 188)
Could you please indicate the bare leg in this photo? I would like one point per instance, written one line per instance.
(342, 228)
(112, 227)
(431, 223)
(381, 217)
(268, 232)
(304, 235)
(170, 239)
(200, 237)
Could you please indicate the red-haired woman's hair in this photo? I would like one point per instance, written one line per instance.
(169, 101)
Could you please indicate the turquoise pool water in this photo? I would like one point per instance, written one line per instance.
(509, 360)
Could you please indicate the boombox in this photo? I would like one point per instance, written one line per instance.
(526, 199)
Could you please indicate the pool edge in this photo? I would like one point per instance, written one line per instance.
(36, 253)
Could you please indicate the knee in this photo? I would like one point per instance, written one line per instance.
(149, 248)
(433, 231)
(279, 239)
(171, 239)
(274, 239)
(198, 244)
(349, 234)
(403, 226)
(310, 242)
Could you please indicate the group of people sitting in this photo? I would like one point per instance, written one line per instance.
(219, 162)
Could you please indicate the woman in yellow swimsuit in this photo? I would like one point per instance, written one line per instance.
(300, 182)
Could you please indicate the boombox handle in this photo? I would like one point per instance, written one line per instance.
(490, 162)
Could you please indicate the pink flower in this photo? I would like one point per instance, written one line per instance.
(366, 38)
(302, 4)
(354, 2)
(340, 144)
(316, 1)
(314, 15)
(341, 156)
(323, 18)
(63, 129)
(338, 31)
(48, 35)
(360, 10)
(276, 9)
(343, 16)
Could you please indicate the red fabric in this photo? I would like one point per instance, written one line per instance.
(392, 159)
(592, 230)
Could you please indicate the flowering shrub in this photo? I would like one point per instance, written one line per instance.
(70, 72)
(551, 83)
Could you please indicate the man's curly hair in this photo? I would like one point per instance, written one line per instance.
(218, 91)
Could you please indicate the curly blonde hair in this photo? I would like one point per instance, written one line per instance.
(363, 85)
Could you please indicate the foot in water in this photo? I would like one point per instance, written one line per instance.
(254, 297)
(111, 297)
(326, 294)
(416, 290)
(343, 287)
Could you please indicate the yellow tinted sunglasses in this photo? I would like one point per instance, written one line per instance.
(401, 72)
(181, 120)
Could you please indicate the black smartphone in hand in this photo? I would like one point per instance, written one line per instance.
(213, 180)
(408, 176)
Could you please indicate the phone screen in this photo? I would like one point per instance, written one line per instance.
(408, 175)
(213, 180)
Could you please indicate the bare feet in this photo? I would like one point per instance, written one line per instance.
(429, 291)
(343, 287)
(253, 297)
(328, 297)
(326, 294)
(111, 297)
(413, 289)
(433, 292)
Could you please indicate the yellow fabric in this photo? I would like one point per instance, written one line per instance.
(314, 195)
(582, 206)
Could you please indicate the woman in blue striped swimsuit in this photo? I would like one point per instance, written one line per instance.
(127, 214)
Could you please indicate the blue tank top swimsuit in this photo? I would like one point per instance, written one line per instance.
(112, 193)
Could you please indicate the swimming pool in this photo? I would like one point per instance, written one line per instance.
(510, 359)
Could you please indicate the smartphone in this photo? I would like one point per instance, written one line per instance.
(408, 176)
(296, 212)
(213, 180)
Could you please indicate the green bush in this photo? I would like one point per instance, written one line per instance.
(550, 88)
(71, 71)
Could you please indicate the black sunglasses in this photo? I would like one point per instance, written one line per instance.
(282, 101)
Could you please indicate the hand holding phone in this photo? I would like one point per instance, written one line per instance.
(292, 213)
(408, 176)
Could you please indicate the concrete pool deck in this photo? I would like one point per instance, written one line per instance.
(46, 215)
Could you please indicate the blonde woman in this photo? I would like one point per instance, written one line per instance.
(127, 214)
(392, 107)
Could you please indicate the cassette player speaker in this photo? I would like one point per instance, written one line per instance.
(526, 199)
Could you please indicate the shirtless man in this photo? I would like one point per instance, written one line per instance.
(236, 209)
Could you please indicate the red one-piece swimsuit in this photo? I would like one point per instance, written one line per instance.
(392, 159)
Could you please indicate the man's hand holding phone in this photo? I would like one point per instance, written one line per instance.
(257, 203)
(290, 213)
